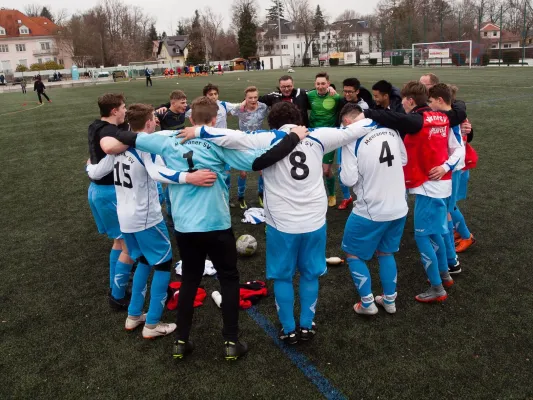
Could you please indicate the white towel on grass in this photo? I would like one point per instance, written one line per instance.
(209, 269)
(254, 216)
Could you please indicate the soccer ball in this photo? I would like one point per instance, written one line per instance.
(246, 245)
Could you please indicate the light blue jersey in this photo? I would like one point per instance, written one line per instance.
(196, 208)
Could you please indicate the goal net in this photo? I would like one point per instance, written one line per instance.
(437, 54)
(136, 68)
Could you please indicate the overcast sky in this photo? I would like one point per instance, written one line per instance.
(167, 16)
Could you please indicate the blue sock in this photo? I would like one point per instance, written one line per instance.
(241, 187)
(429, 259)
(449, 243)
(459, 223)
(113, 258)
(440, 249)
(228, 180)
(284, 293)
(345, 189)
(260, 185)
(158, 296)
(138, 290)
(361, 279)
(121, 279)
(388, 275)
(308, 299)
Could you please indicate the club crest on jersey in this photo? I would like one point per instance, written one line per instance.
(438, 130)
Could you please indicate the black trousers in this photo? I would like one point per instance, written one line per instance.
(220, 247)
(39, 94)
(148, 79)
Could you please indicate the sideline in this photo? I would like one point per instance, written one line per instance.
(19, 111)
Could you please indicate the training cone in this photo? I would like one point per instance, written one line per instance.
(23, 104)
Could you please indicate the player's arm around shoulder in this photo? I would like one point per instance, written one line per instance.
(104, 167)
(232, 139)
(159, 172)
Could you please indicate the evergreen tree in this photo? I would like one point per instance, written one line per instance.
(272, 12)
(319, 22)
(196, 53)
(152, 35)
(181, 29)
(45, 12)
(247, 31)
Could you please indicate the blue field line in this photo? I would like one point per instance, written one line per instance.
(302, 362)
(499, 99)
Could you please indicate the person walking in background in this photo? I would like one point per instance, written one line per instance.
(148, 76)
(23, 86)
(39, 87)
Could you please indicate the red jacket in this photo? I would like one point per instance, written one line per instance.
(427, 149)
(471, 156)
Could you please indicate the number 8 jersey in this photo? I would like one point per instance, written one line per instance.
(295, 199)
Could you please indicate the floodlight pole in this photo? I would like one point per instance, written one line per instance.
(279, 34)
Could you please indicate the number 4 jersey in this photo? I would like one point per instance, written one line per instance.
(135, 173)
(373, 165)
(295, 198)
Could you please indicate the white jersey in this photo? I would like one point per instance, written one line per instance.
(295, 199)
(138, 206)
(224, 108)
(373, 165)
(442, 189)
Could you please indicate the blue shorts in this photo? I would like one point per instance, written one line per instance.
(103, 203)
(431, 216)
(463, 185)
(363, 237)
(456, 181)
(152, 243)
(288, 251)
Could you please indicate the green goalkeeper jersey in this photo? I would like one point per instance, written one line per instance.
(323, 109)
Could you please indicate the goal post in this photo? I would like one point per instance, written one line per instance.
(457, 53)
(136, 68)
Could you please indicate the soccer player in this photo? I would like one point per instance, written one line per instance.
(351, 88)
(172, 115)
(440, 99)
(102, 195)
(141, 221)
(39, 87)
(202, 221)
(295, 209)
(324, 114)
(428, 143)
(251, 119)
(387, 97)
(148, 75)
(374, 167)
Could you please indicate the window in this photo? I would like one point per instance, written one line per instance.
(493, 46)
(484, 34)
(359, 43)
(506, 46)
(323, 37)
(20, 47)
(39, 61)
(4, 48)
(283, 37)
(353, 34)
(494, 33)
(297, 36)
(24, 31)
(297, 46)
(61, 62)
(23, 62)
(2, 31)
(359, 34)
(284, 46)
(298, 55)
(46, 46)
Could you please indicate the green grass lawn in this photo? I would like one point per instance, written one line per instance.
(58, 338)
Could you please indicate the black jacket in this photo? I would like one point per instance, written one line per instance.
(39, 86)
(395, 102)
(297, 97)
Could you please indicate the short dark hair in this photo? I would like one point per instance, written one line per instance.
(383, 87)
(209, 87)
(203, 110)
(138, 114)
(350, 109)
(441, 90)
(178, 95)
(416, 91)
(108, 102)
(352, 82)
(285, 78)
(322, 75)
(283, 113)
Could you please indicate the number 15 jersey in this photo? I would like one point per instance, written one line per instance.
(295, 199)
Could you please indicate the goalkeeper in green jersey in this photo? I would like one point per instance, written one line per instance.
(324, 107)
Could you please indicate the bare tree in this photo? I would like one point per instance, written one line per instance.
(211, 27)
(33, 10)
(301, 13)
(348, 14)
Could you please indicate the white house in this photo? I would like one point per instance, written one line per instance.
(29, 40)
(173, 50)
(338, 38)
(491, 33)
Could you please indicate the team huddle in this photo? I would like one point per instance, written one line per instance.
(388, 143)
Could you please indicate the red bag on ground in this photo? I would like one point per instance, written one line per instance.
(174, 290)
